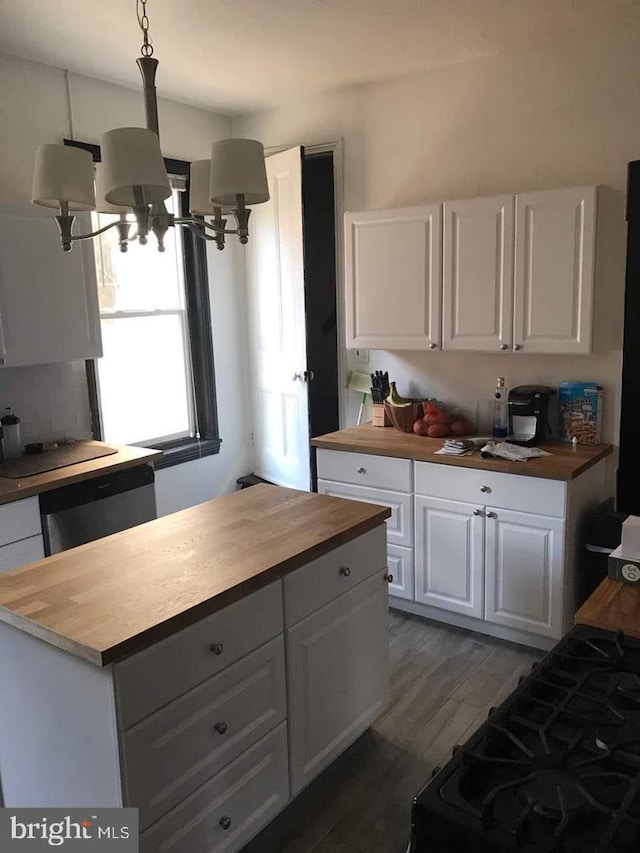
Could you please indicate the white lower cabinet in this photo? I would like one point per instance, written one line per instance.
(449, 555)
(399, 526)
(401, 571)
(524, 571)
(18, 553)
(338, 677)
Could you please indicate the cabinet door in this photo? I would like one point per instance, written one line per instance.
(393, 278)
(48, 298)
(399, 526)
(449, 555)
(400, 565)
(478, 274)
(337, 677)
(524, 571)
(555, 250)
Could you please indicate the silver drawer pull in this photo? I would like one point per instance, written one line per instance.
(361, 470)
(345, 571)
(492, 515)
(225, 822)
(477, 512)
(221, 728)
(389, 578)
(503, 347)
(216, 648)
(485, 489)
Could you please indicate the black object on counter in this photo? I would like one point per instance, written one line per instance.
(528, 414)
(555, 769)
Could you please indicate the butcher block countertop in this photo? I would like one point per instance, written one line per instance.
(110, 598)
(564, 464)
(613, 605)
(27, 487)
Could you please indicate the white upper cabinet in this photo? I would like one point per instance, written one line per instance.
(555, 250)
(478, 274)
(48, 298)
(394, 278)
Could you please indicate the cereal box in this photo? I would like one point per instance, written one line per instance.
(581, 405)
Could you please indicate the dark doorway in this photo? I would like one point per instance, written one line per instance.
(318, 204)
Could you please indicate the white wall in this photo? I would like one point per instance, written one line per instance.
(34, 109)
(560, 115)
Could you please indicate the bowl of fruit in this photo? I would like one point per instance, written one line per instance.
(437, 422)
(403, 411)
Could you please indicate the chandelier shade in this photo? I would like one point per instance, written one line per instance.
(134, 171)
(200, 203)
(238, 169)
(102, 205)
(63, 175)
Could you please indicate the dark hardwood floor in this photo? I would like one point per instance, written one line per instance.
(443, 682)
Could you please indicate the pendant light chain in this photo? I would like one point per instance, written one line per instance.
(143, 21)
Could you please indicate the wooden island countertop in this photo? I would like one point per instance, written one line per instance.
(564, 463)
(112, 597)
(614, 606)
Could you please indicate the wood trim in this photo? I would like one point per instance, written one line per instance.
(111, 598)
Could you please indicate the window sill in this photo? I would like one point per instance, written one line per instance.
(186, 450)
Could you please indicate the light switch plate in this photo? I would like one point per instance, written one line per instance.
(362, 356)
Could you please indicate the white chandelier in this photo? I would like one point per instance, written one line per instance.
(132, 177)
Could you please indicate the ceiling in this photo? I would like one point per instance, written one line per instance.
(240, 55)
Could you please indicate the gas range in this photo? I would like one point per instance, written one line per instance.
(556, 768)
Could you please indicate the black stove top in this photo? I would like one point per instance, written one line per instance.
(555, 768)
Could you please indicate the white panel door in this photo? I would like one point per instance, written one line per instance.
(449, 555)
(337, 677)
(48, 298)
(399, 526)
(524, 570)
(393, 276)
(478, 274)
(555, 251)
(275, 271)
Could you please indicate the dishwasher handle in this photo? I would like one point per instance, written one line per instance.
(96, 489)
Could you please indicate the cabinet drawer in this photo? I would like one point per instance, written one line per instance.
(172, 752)
(399, 526)
(154, 677)
(314, 585)
(18, 553)
(363, 469)
(508, 491)
(19, 520)
(243, 797)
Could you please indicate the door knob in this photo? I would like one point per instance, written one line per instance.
(516, 347)
(361, 470)
(309, 376)
(492, 515)
(298, 376)
(503, 347)
(217, 648)
(485, 489)
(345, 571)
(220, 727)
(389, 578)
(477, 512)
(432, 346)
(225, 822)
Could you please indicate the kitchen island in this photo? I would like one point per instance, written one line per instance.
(613, 606)
(203, 667)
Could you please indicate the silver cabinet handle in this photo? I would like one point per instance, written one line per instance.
(504, 347)
(220, 727)
(216, 648)
(389, 578)
(432, 346)
(225, 822)
(516, 347)
(477, 512)
(485, 489)
(345, 571)
(492, 515)
(361, 470)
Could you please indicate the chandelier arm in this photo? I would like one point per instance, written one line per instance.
(189, 220)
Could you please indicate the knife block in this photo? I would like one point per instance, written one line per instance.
(379, 416)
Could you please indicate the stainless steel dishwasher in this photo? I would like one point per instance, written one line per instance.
(100, 506)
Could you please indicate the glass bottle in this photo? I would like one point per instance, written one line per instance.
(500, 412)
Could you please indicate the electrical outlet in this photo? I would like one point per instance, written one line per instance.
(362, 356)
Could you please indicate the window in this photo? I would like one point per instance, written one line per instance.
(155, 385)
